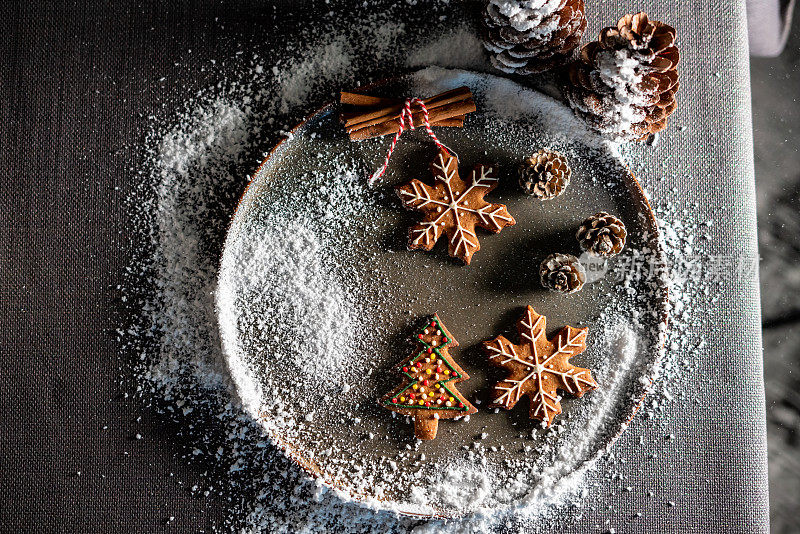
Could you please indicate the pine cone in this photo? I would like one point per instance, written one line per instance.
(602, 234)
(562, 273)
(624, 83)
(545, 174)
(531, 36)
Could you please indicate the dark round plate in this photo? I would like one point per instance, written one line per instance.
(318, 298)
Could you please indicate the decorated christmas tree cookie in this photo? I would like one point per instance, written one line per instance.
(428, 392)
(538, 367)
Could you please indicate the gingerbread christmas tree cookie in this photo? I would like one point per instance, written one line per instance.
(453, 207)
(538, 367)
(428, 392)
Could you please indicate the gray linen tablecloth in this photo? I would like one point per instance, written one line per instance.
(77, 83)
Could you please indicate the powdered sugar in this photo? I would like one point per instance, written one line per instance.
(621, 70)
(212, 140)
(460, 48)
(301, 77)
(465, 484)
(525, 15)
(295, 303)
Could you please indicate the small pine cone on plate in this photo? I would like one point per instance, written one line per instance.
(545, 174)
(563, 273)
(602, 235)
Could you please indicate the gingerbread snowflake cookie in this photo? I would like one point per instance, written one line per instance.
(453, 207)
(538, 367)
(428, 392)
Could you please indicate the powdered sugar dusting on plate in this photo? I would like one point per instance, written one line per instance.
(297, 308)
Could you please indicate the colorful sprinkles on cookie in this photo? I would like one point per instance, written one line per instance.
(430, 374)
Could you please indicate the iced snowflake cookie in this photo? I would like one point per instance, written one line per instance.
(538, 367)
(453, 207)
(428, 392)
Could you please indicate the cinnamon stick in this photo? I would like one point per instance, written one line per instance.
(447, 111)
(356, 99)
(375, 116)
(455, 121)
(391, 112)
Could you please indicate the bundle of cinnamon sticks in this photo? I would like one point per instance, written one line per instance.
(367, 116)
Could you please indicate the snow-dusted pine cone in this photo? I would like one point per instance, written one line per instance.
(602, 234)
(563, 273)
(624, 83)
(531, 36)
(545, 174)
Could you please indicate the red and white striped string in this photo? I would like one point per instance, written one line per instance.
(406, 120)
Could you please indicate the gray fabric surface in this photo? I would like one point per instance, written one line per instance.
(77, 83)
(715, 469)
